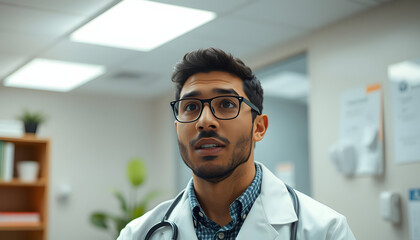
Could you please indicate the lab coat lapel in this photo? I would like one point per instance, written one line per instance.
(271, 213)
(276, 199)
(256, 225)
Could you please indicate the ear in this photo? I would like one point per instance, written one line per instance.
(176, 126)
(260, 127)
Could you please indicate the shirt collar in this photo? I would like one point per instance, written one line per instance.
(239, 208)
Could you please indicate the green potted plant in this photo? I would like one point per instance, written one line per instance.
(131, 208)
(31, 120)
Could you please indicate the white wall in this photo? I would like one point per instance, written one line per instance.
(164, 150)
(353, 53)
(92, 139)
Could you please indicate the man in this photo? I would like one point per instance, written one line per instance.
(219, 119)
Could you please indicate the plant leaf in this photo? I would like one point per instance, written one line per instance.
(121, 199)
(138, 211)
(136, 171)
(98, 219)
(32, 117)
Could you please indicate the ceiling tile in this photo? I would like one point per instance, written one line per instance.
(239, 30)
(145, 86)
(25, 44)
(300, 13)
(9, 63)
(37, 22)
(80, 7)
(67, 50)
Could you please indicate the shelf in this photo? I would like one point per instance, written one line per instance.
(21, 226)
(27, 138)
(17, 183)
(18, 196)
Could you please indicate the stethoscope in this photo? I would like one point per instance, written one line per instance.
(172, 225)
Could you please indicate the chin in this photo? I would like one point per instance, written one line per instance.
(208, 158)
(213, 172)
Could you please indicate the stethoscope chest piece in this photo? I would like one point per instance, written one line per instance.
(163, 223)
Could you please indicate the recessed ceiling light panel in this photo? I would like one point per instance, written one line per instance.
(141, 25)
(53, 75)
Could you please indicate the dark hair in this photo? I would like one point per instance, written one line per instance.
(213, 59)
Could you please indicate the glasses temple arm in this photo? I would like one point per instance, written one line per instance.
(252, 105)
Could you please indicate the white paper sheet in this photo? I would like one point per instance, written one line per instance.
(405, 101)
(361, 124)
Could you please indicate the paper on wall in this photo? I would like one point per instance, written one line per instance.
(361, 125)
(405, 98)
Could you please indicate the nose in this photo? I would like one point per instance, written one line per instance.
(207, 121)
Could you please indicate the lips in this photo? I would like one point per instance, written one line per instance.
(208, 146)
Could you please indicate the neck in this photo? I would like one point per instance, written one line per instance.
(216, 198)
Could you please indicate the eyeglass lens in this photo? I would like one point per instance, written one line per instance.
(222, 107)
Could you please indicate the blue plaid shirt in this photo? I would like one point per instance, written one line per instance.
(206, 229)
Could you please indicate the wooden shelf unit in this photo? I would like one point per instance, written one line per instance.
(17, 196)
(21, 226)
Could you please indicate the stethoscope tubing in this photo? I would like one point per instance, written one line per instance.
(165, 221)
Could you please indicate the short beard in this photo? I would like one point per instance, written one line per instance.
(219, 173)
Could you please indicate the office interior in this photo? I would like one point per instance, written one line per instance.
(98, 127)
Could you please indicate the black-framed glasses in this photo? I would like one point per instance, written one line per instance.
(223, 107)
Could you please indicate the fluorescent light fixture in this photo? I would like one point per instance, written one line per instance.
(53, 75)
(405, 71)
(286, 84)
(141, 25)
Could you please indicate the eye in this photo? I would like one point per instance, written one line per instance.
(227, 104)
(190, 107)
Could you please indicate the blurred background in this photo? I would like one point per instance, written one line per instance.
(305, 52)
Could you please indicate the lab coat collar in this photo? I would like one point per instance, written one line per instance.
(276, 200)
(273, 207)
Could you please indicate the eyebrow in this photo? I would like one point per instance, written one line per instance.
(225, 91)
(216, 90)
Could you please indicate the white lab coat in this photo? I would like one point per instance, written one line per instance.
(270, 218)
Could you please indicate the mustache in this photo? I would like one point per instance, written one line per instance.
(209, 134)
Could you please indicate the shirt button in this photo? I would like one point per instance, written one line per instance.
(201, 214)
(221, 235)
(244, 216)
(195, 223)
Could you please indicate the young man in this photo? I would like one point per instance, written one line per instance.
(219, 119)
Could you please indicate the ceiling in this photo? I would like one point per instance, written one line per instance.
(40, 29)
